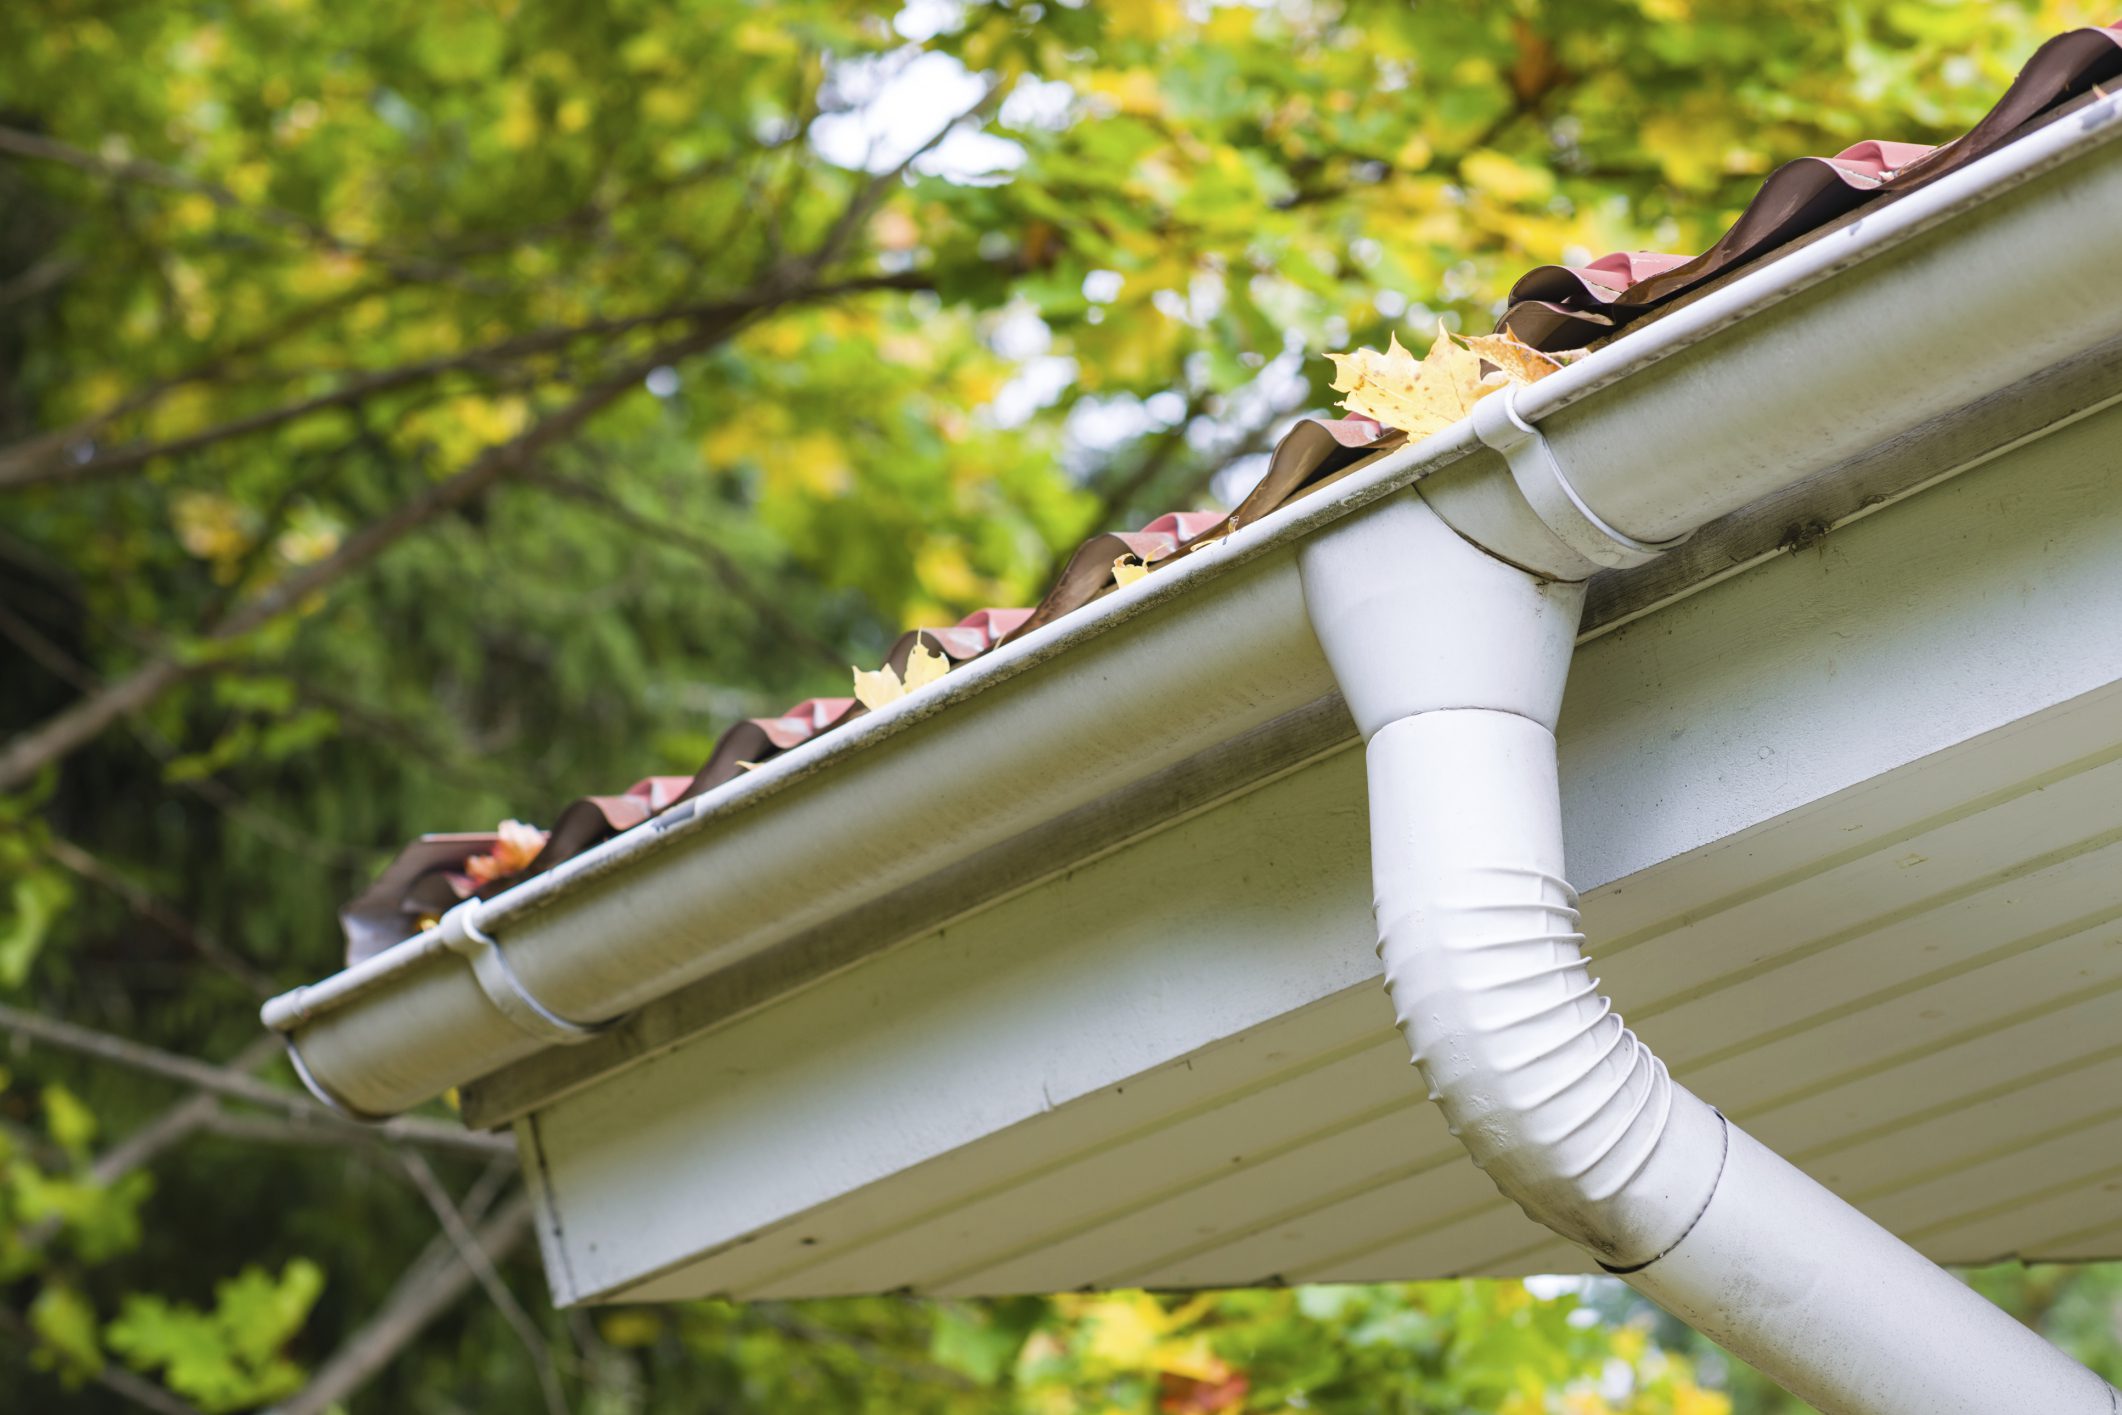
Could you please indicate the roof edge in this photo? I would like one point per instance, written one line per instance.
(1696, 435)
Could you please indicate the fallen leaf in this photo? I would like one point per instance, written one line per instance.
(1417, 396)
(518, 845)
(923, 667)
(875, 688)
(1520, 362)
(1128, 569)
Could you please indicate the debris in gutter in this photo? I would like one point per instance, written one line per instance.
(876, 688)
(1426, 395)
(1553, 313)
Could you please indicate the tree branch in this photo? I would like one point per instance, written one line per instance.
(59, 446)
(155, 910)
(205, 1076)
(474, 1257)
(154, 174)
(434, 1283)
(872, 193)
(86, 718)
(59, 735)
(173, 1126)
(53, 457)
(713, 556)
(218, 795)
(34, 281)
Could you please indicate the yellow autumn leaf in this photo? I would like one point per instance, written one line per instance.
(1521, 363)
(1505, 178)
(211, 526)
(1124, 1330)
(1128, 569)
(874, 688)
(877, 688)
(1417, 396)
(924, 666)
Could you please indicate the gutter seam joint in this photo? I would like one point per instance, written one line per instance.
(1723, 1159)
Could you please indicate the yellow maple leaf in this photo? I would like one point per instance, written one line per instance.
(875, 689)
(1420, 396)
(1127, 569)
(1417, 396)
(924, 666)
(1520, 362)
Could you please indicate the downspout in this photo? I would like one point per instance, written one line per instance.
(1452, 661)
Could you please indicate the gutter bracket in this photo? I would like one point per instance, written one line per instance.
(1538, 472)
(462, 935)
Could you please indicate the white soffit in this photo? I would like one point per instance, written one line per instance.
(1851, 829)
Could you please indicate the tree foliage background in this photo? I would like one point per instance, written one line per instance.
(416, 414)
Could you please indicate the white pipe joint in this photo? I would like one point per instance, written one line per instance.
(1413, 618)
(1453, 664)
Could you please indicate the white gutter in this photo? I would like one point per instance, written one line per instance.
(1931, 303)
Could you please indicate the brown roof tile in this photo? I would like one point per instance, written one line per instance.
(1559, 307)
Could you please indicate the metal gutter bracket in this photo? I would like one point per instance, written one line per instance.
(461, 934)
(1547, 490)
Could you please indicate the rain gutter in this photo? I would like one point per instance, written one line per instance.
(1918, 310)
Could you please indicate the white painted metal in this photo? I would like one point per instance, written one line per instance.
(1578, 1124)
(1714, 426)
(1911, 735)
(1568, 1112)
(1214, 647)
(1844, 1314)
(1452, 664)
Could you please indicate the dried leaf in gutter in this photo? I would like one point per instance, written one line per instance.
(1420, 396)
(923, 667)
(1417, 396)
(1519, 362)
(517, 846)
(1128, 569)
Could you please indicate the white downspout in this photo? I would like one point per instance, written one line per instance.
(1453, 664)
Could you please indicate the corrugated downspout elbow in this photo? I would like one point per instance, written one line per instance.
(1453, 664)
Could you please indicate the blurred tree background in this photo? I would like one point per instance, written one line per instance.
(418, 414)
